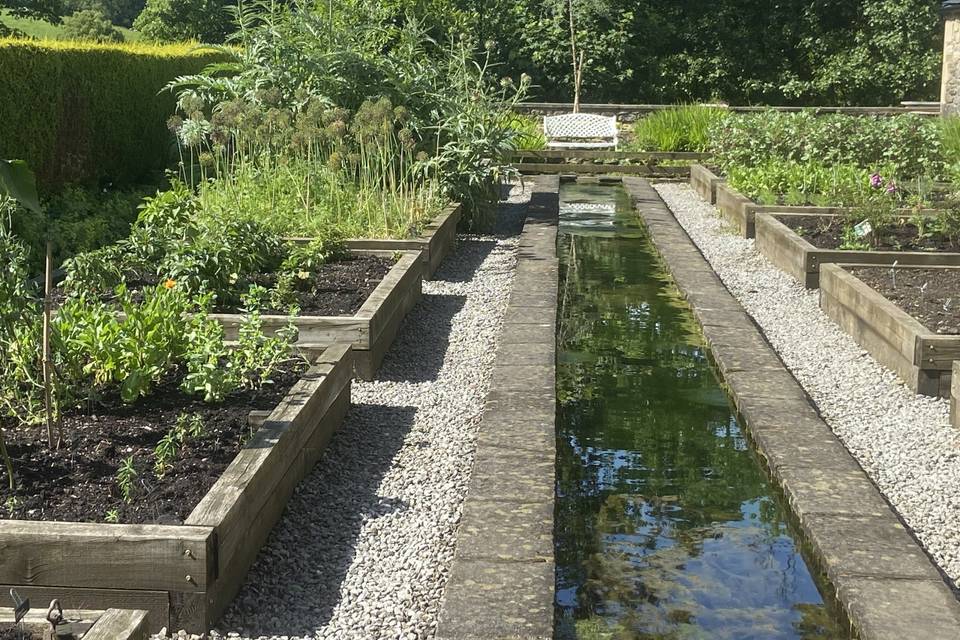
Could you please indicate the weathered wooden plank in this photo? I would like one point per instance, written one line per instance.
(595, 154)
(407, 278)
(936, 351)
(704, 182)
(637, 110)
(734, 207)
(259, 525)
(155, 603)
(313, 329)
(784, 248)
(887, 332)
(632, 169)
(72, 554)
(252, 478)
(955, 396)
(119, 624)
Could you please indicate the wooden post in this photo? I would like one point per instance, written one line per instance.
(47, 365)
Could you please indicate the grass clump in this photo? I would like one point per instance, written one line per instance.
(681, 128)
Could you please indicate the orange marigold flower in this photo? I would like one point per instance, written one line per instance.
(169, 283)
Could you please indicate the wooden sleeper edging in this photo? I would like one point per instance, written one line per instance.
(704, 182)
(184, 576)
(371, 330)
(955, 395)
(795, 255)
(921, 358)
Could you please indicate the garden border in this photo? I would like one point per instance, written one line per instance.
(704, 181)
(601, 169)
(436, 240)
(795, 255)
(887, 585)
(185, 575)
(371, 330)
(601, 154)
(921, 358)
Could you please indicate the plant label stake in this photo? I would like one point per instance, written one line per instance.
(21, 606)
(863, 229)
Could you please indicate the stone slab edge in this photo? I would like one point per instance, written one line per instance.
(886, 584)
(502, 581)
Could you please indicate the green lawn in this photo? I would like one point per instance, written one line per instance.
(46, 31)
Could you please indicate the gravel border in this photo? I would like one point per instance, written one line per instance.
(903, 441)
(365, 545)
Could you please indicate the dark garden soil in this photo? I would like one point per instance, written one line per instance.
(932, 296)
(827, 233)
(79, 481)
(335, 289)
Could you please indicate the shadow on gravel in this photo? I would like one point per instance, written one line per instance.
(470, 255)
(294, 586)
(418, 353)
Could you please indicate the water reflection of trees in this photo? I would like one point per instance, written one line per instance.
(653, 469)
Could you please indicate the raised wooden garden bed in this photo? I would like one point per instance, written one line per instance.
(647, 170)
(435, 241)
(112, 624)
(923, 359)
(795, 255)
(741, 211)
(704, 182)
(371, 330)
(185, 575)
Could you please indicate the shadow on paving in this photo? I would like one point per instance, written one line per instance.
(300, 569)
(425, 344)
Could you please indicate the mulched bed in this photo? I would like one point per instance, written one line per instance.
(78, 482)
(826, 233)
(937, 306)
(335, 289)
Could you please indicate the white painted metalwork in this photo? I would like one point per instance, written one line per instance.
(580, 131)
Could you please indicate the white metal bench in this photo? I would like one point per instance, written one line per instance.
(580, 131)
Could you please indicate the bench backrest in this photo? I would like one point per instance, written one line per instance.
(582, 126)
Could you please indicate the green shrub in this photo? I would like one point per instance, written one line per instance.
(800, 183)
(909, 144)
(950, 135)
(179, 20)
(90, 25)
(682, 128)
(89, 113)
(80, 219)
(530, 132)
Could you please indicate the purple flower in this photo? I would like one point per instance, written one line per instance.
(876, 181)
(891, 187)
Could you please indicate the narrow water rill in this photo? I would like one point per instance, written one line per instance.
(666, 526)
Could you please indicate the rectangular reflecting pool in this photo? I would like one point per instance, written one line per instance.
(666, 525)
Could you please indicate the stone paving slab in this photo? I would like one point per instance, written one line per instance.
(867, 546)
(502, 580)
(507, 531)
(850, 527)
(489, 600)
(893, 609)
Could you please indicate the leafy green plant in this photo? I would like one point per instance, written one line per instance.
(188, 426)
(908, 146)
(801, 183)
(126, 476)
(90, 25)
(681, 128)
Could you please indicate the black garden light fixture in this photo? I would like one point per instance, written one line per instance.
(949, 7)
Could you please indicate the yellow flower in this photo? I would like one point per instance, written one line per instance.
(169, 283)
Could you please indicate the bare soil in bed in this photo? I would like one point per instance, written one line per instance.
(335, 289)
(932, 296)
(78, 482)
(827, 233)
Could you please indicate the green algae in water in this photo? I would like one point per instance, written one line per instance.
(666, 527)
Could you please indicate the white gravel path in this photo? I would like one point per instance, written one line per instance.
(364, 548)
(902, 440)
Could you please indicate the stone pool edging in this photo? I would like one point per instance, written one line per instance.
(502, 582)
(885, 582)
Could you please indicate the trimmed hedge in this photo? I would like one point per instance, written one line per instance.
(87, 113)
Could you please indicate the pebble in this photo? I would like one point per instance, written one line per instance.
(364, 548)
(902, 440)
